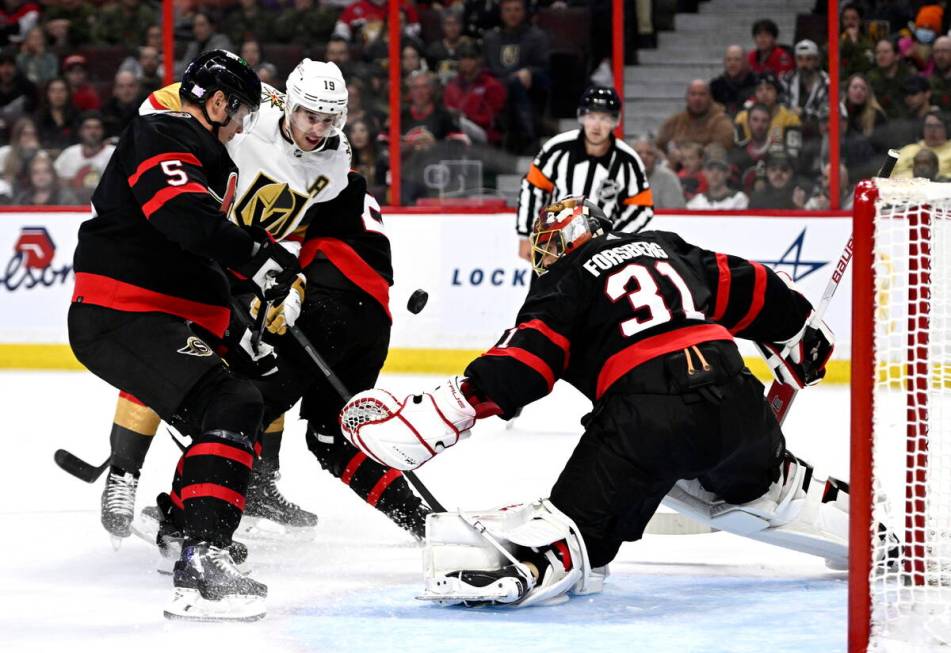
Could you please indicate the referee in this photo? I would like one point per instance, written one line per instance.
(590, 162)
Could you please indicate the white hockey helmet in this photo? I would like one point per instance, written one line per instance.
(317, 86)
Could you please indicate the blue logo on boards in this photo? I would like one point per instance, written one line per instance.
(792, 263)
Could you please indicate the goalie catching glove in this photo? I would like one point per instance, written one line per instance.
(285, 314)
(801, 360)
(406, 433)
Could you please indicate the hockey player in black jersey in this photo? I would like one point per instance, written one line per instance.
(151, 303)
(644, 325)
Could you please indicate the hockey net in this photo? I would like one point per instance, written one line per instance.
(900, 571)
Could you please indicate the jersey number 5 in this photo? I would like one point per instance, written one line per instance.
(173, 170)
(648, 296)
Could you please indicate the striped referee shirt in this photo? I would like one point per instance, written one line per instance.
(616, 181)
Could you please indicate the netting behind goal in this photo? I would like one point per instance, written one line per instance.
(901, 449)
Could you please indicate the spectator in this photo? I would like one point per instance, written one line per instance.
(941, 74)
(750, 151)
(935, 138)
(718, 194)
(251, 52)
(305, 24)
(691, 176)
(664, 183)
(517, 54)
(205, 37)
(17, 93)
(357, 108)
(147, 68)
(924, 165)
(865, 114)
(442, 54)
(807, 88)
(85, 96)
(369, 159)
(736, 84)
(153, 37)
(411, 59)
(56, 118)
(916, 47)
(901, 131)
(479, 18)
(888, 77)
(248, 22)
(424, 123)
(475, 97)
(338, 52)
(44, 188)
(37, 63)
(820, 197)
(855, 47)
(124, 22)
(69, 23)
(17, 17)
(782, 189)
(702, 122)
(80, 166)
(123, 106)
(784, 125)
(363, 21)
(768, 56)
(15, 157)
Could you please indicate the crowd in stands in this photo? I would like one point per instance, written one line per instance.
(764, 120)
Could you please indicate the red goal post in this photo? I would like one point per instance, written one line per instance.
(901, 417)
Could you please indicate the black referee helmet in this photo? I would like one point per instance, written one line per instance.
(600, 98)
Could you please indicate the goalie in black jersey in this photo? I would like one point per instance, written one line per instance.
(644, 325)
(151, 304)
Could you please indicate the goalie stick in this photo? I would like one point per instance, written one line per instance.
(345, 394)
(781, 395)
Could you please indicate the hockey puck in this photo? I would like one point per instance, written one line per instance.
(417, 301)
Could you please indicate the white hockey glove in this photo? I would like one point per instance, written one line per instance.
(801, 360)
(406, 433)
(283, 315)
(262, 360)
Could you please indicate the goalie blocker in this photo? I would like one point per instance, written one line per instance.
(644, 325)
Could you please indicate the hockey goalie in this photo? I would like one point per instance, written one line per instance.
(644, 325)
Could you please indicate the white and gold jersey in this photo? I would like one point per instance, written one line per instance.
(277, 181)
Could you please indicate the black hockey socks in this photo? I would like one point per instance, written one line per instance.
(383, 488)
(133, 428)
(211, 482)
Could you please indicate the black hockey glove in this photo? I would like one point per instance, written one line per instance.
(272, 270)
(807, 353)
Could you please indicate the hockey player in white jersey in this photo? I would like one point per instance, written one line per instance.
(295, 158)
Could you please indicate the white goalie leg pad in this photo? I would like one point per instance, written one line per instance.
(798, 512)
(487, 540)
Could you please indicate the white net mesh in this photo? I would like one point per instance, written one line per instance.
(911, 472)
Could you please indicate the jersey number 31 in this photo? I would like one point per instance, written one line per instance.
(647, 295)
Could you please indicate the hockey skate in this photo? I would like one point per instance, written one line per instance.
(209, 587)
(268, 513)
(118, 504)
(156, 526)
(476, 588)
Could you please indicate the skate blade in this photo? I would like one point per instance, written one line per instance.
(189, 605)
(263, 529)
(452, 591)
(116, 542)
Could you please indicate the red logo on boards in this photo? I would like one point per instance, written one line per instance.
(36, 246)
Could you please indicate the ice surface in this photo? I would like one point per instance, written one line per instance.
(63, 588)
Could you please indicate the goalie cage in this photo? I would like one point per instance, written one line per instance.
(901, 425)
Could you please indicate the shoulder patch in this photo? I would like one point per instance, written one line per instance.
(273, 97)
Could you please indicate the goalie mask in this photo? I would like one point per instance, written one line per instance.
(563, 227)
(316, 103)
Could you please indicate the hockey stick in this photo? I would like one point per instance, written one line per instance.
(79, 468)
(781, 395)
(346, 395)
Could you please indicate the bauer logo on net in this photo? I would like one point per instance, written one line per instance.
(31, 264)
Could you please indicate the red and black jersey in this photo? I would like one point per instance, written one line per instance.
(622, 300)
(345, 247)
(159, 234)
